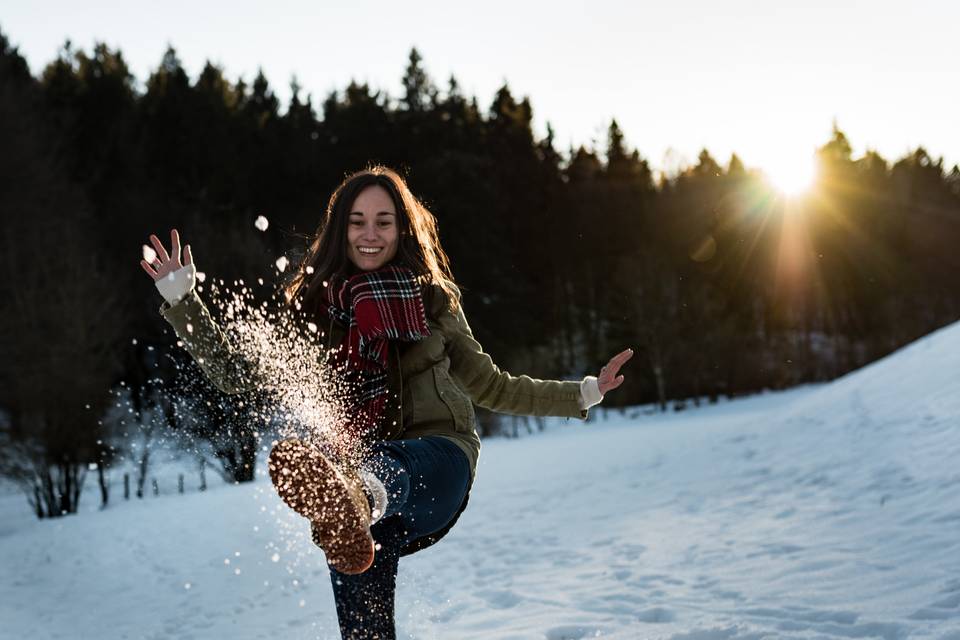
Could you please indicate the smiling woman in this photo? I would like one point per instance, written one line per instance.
(378, 281)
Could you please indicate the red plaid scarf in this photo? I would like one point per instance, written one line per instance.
(375, 307)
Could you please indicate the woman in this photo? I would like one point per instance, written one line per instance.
(377, 279)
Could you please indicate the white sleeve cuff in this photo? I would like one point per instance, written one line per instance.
(590, 392)
(175, 286)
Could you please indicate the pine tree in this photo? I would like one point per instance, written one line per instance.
(420, 93)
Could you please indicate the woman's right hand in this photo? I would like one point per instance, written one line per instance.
(165, 263)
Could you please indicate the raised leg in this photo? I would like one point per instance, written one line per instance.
(426, 480)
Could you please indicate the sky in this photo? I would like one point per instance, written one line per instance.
(763, 79)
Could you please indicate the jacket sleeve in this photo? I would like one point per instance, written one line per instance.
(497, 390)
(204, 340)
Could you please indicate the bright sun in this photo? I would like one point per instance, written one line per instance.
(792, 175)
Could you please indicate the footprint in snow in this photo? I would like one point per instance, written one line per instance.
(574, 632)
(500, 598)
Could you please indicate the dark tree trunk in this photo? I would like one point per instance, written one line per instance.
(56, 490)
(104, 487)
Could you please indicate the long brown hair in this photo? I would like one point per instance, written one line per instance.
(418, 245)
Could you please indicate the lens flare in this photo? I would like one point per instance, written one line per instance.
(792, 175)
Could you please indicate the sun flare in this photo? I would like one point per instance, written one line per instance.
(791, 175)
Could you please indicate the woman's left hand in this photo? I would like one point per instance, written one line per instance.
(608, 378)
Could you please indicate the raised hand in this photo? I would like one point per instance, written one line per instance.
(164, 263)
(608, 378)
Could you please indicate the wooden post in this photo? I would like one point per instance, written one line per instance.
(126, 486)
(180, 483)
(203, 475)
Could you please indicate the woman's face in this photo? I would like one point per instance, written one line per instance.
(372, 234)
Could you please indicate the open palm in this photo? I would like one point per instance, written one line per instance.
(609, 379)
(164, 263)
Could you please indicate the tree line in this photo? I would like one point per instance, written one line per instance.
(721, 284)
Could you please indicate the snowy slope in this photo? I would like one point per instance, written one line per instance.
(823, 512)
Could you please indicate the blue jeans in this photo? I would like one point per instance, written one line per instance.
(426, 480)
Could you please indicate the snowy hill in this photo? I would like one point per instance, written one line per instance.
(822, 512)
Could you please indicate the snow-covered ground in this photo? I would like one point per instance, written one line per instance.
(822, 512)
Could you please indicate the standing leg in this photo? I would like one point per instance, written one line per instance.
(365, 601)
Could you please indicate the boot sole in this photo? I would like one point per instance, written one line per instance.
(312, 486)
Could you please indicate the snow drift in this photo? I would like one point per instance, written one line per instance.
(823, 512)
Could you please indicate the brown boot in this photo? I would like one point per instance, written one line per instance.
(332, 499)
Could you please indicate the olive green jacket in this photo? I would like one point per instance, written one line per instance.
(438, 378)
